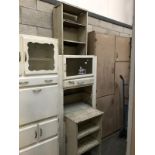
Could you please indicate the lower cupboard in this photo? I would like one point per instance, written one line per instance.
(48, 147)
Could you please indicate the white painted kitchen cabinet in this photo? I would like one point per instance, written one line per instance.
(37, 103)
(28, 135)
(48, 147)
(40, 54)
(48, 129)
(31, 134)
(39, 96)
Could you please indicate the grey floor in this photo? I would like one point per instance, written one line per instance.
(113, 145)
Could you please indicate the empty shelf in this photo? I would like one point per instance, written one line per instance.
(70, 23)
(40, 59)
(73, 42)
(82, 112)
(87, 130)
(87, 144)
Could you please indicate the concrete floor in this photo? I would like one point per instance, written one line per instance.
(113, 145)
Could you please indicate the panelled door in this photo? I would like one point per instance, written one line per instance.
(122, 49)
(103, 46)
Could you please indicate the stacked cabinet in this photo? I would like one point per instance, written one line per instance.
(78, 73)
(113, 56)
(38, 96)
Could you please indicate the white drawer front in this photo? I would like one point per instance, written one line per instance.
(32, 81)
(48, 129)
(49, 147)
(28, 135)
(78, 82)
(37, 103)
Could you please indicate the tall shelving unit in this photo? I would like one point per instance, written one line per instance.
(80, 121)
(70, 27)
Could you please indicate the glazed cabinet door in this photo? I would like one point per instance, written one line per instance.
(37, 103)
(40, 55)
(28, 135)
(49, 147)
(48, 129)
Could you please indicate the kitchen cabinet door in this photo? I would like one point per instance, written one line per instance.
(106, 105)
(48, 129)
(122, 48)
(103, 46)
(121, 68)
(37, 103)
(28, 135)
(49, 147)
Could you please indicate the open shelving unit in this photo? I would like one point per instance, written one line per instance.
(83, 128)
(70, 27)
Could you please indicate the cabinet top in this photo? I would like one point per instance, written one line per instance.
(80, 112)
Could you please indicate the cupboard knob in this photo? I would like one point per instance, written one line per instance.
(19, 57)
(37, 90)
(25, 57)
(71, 82)
(81, 82)
(23, 83)
(48, 81)
(41, 132)
(36, 134)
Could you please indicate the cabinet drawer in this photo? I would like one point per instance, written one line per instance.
(49, 147)
(37, 103)
(48, 129)
(78, 82)
(27, 136)
(32, 81)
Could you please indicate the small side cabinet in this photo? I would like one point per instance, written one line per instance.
(83, 130)
(31, 134)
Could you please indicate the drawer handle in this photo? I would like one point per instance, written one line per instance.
(19, 57)
(23, 83)
(41, 132)
(71, 82)
(37, 90)
(35, 134)
(48, 81)
(81, 82)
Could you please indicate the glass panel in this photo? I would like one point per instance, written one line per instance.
(41, 56)
(78, 66)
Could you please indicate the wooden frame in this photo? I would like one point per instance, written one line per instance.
(70, 27)
(24, 40)
(80, 57)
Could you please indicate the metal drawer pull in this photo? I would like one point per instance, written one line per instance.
(71, 82)
(81, 82)
(23, 83)
(35, 134)
(48, 81)
(41, 132)
(37, 90)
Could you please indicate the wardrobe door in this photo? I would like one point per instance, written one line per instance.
(106, 104)
(122, 48)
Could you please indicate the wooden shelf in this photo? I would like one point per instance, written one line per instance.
(87, 130)
(70, 23)
(69, 42)
(87, 144)
(40, 59)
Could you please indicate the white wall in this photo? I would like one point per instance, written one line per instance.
(120, 10)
